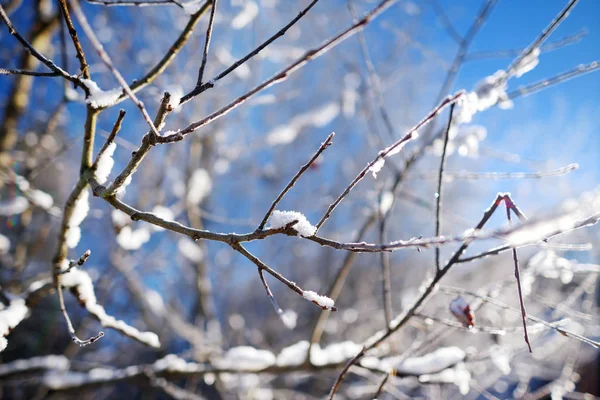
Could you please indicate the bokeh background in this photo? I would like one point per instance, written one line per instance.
(250, 154)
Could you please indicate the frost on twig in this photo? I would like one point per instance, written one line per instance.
(80, 283)
(11, 315)
(280, 219)
(572, 213)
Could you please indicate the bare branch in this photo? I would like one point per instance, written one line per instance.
(291, 184)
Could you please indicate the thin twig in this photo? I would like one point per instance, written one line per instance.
(465, 175)
(381, 386)
(285, 73)
(558, 44)
(211, 22)
(201, 88)
(73, 33)
(35, 53)
(340, 377)
(291, 184)
(543, 36)
(546, 83)
(440, 187)
(385, 152)
(63, 308)
(509, 205)
(6, 71)
(261, 265)
(108, 62)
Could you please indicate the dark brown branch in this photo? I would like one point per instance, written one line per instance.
(73, 33)
(211, 22)
(46, 61)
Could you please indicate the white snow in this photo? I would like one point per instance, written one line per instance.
(119, 218)
(123, 188)
(80, 211)
(41, 199)
(245, 16)
(572, 211)
(334, 353)
(387, 199)
(551, 266)
(322, 301)
(10, 317)
(130, 239)
(246, 357)
(434, 362)
(458, 375)
(462, 138)
(199, 186)
(293, 355)
(279, 219)
(15, 206)
(60, 363)
(105, 163)
(289, 318)
(488, 92)
(377, 166)
(99, 98)
(317, 117)
(527, 63)
(81, 283)
(190, 250)
(4, 244)
(73, 237)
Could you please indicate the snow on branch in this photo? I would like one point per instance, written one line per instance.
(11, 315)
(82, 287)
(80, 211)
(322, 301)
(280, 219)
(99, 98)
(51, 362)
